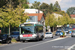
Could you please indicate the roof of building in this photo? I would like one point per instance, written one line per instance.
(57, 15)
(72, 15)
(40, 15)
(32, 11)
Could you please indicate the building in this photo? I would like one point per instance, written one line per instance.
(57, 15)
(30, 4)
(72, 16)
(35, 15)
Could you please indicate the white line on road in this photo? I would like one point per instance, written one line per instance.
(71, 47)
(42, 43)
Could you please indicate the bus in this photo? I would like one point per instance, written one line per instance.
(31, 31)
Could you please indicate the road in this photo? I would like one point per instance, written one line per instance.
(55, 43)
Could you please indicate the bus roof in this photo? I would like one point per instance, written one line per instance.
(32, 23)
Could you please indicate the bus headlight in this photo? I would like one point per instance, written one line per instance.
(34, 35)
(21, 35)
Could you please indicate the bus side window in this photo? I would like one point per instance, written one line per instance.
(39, 29)
(36, 28)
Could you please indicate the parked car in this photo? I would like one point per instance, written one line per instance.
(4, 38)
(15, 34)
(57, 33)
(70, 29)
(49, 34)
(66, 30)
(73, 33)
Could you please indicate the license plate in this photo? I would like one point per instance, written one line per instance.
(27, 39)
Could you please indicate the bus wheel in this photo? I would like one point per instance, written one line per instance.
(23, 40)
(37, 38)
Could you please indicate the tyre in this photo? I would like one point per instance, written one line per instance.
(71, 36)
(42, 38)
(8, 41)
(52, 37)
(23, 41)
(37, 38)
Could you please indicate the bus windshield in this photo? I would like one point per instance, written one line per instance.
(27, 30)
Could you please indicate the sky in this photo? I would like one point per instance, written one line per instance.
(64, 4)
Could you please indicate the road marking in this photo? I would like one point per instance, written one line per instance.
(71, 47)
(42, 43)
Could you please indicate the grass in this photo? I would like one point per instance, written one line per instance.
(13, 40)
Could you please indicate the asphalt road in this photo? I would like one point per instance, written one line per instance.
(55, 43)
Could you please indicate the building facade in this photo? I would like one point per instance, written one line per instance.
(35, 15)
(72, 16)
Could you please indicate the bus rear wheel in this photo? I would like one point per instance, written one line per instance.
(23, 41)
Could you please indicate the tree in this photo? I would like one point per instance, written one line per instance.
(2, 3)
(13, 17)
(64, 20)
(57, 6)
(50, 20)
(36, 5)
(14, 3)
(24, 4)
(45, 8)
(71, 10)
(51, 8)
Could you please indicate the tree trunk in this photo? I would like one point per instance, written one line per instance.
(9, 29)
(53, 28)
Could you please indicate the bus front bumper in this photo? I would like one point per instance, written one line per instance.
(28, 38)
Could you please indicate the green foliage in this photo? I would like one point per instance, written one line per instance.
(61, 20)
(61, 12)
(57, 6)
(50, 20)
(13, 17)
(71, 10)
(36, 5)
(44, 6)
(51, 8)
(13, 40)
(2, 3)
(24, 3)
(63, 33)
(14, 3)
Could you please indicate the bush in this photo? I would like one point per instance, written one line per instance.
(63, 34)
(13, 40)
